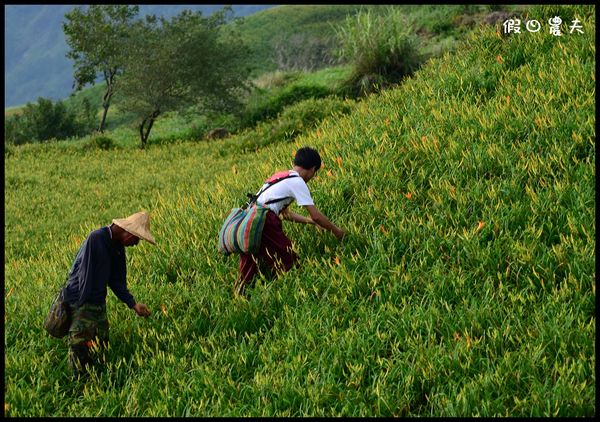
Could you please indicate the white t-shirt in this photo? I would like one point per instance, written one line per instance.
(294, 188)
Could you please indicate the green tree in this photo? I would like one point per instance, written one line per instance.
(15, 131)
(189, 60)
(40, 122)
(96, 37)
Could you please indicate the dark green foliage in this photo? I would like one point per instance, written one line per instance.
(97, 36)
(173, 64)
(197, 131)
(268, 107)
(46, 120)
(87, 116)
(14, 131)
(292, 122)
(305, 115)
(439, 18)
(102, 142)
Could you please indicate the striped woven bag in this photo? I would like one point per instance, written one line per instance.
(242, 230)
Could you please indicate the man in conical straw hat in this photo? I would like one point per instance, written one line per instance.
(100, 262)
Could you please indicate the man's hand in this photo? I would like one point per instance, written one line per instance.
(141, 309)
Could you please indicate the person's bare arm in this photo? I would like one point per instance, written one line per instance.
(292, 216)
(320, 220)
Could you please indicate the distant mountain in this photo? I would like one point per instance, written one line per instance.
(35, 62)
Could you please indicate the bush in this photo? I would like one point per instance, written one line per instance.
(46, 120)
(305, 115)
(275, 103)
(229, 121)
(382, 50)
(102, 142)
(200, 127)
(197, 131)
(86, 120)
(312, 111)
(293, 121)
(15, 131)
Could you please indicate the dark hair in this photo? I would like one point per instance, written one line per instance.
(307, 158)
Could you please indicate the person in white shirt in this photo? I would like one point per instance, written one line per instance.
(279, 191)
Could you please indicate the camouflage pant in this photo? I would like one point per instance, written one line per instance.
(88, 336)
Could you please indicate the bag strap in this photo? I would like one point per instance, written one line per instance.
(270, 182)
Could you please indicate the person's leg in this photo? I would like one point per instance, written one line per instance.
(275, 251)
(100, 342)
(248, 269)
(88, 337)
(276, 247)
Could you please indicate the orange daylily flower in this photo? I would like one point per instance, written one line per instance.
(499, 59)
(163, 308)
(339, 161)
(480, 226)
(329, 173)
(337, 260)
(409, 195)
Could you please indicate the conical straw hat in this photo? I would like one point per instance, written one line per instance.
(137, 224)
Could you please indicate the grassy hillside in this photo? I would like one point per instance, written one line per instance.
(288, 40)
(279, 35)
(276, 30)
(465, 287)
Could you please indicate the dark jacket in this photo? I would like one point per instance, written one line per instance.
(99, 262)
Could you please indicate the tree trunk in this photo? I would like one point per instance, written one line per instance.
(144, 134)
(143, 141)
(109, 78)
(105, 106)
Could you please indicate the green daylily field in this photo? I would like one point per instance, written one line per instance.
(465, 285)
